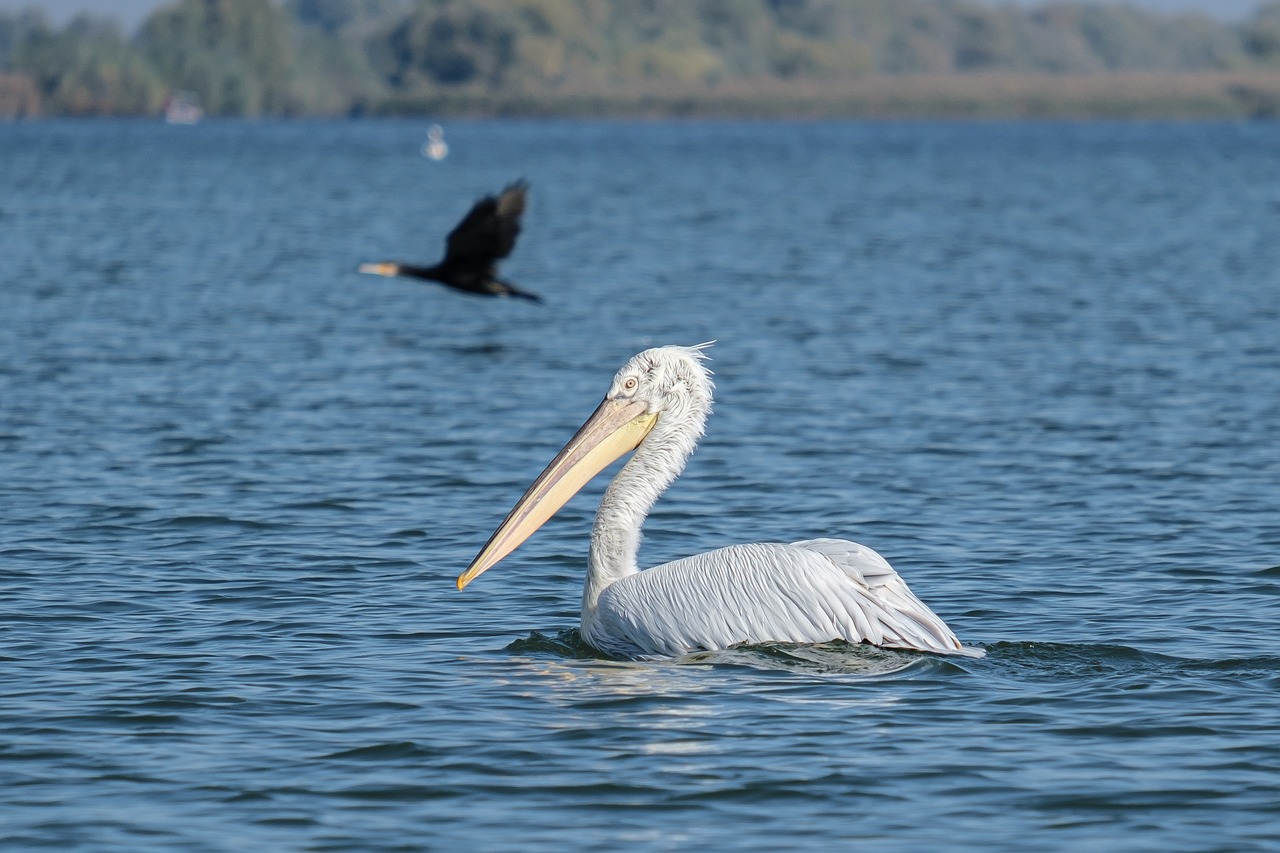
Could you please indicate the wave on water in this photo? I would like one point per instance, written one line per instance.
(837, 657)
(834, 658)
(1052, 662)
(1064, 662)
(564, 644)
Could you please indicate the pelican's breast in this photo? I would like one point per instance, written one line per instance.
(806, 592)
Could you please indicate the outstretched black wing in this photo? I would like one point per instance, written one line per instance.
(489, 231)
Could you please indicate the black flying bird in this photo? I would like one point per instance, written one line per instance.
(473, 248)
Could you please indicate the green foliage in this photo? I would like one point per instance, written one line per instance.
(236, 55)
(1262, 34)
(344, 16)
(86, 69)
(1125, 39)
(332, 75)
(275, 57)
(447, 43)
(16, 29)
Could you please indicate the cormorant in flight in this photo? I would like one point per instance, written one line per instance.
(473, 248)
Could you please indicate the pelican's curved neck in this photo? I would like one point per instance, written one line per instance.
(615, 536)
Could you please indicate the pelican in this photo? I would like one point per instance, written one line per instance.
(813, 591)
(486, 235)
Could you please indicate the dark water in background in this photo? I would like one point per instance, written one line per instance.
(1036, 366)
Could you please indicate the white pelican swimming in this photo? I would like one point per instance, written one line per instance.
(813, 591)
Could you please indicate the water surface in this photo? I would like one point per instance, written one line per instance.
(1036, 366)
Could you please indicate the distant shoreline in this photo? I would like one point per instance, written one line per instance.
(614, 58)
(1253, 94)
(1137, 95)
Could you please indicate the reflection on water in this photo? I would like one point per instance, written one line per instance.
(828, 658)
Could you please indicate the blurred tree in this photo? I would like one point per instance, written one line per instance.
(1127, 39)
(332, 75)
(14, 30)
(447, 43)
(984, 39)
(271, 57)
(337, 16)
(87, 69)
(235, 55)
(1262, 34)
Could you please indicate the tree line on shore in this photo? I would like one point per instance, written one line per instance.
(256, 58)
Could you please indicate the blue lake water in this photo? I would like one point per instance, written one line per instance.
(1037, 366)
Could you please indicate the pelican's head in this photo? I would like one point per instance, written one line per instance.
(673, 382)
(661, 396)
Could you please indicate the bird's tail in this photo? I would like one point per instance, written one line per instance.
(523, 294)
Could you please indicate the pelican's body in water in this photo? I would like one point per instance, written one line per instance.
(812, 591)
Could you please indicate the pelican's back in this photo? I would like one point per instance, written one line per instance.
(806, 592)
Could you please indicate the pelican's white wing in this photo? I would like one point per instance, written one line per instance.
(806, 592)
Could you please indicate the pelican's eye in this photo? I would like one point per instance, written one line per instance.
(629, 384)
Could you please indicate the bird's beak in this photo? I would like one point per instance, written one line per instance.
(616, 427)
(380, 269)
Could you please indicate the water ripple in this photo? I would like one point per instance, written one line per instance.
(238, 482)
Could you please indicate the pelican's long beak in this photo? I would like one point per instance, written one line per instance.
(387, 269)
(616, 427)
